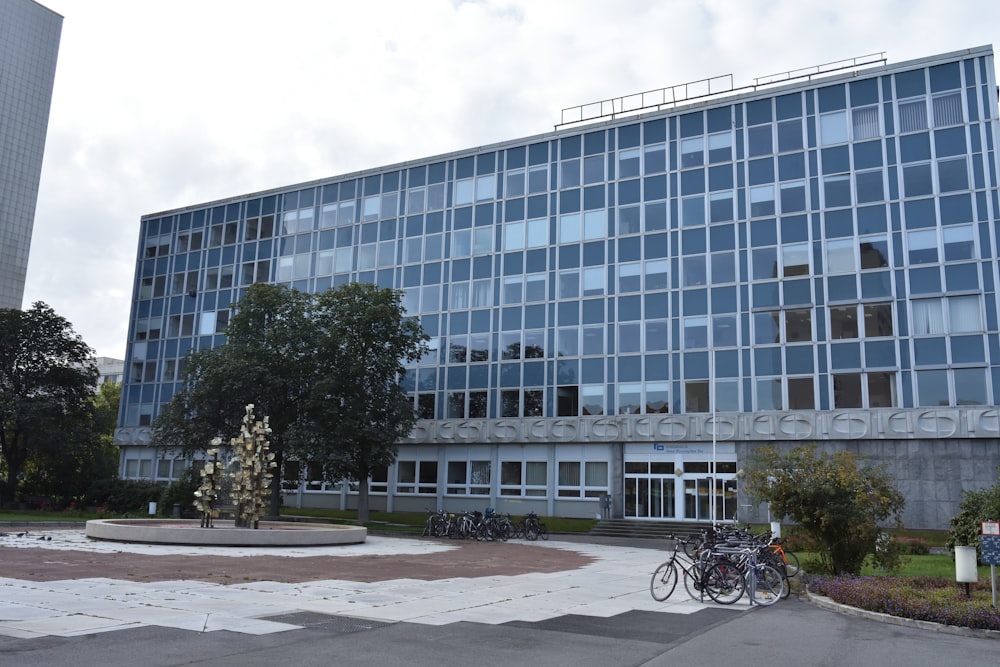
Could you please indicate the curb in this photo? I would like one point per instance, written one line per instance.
(826, 603)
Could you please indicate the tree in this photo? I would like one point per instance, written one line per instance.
(834, 497)
(87, 454)
(975, 508)
(47, 379)
(264, 361)
(359, 410)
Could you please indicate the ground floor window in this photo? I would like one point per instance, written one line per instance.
(416, 477)
(587, 479)
(468, 478)
(528, 478)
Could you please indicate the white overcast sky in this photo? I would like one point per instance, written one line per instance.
(166, 103)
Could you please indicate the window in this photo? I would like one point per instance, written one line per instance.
(696, 396)
(592, 399)
(692, 152)
(416, 477)
(947, 109)
(964, 315)
(844, 322)
(569, 228)
(695, 332)
(932, 387)
(878, 320)
(912, 116)
(628, 163)
(922, 246)
(529, 478)
(569, 173)
(592, 484)
(629, 398)
(847, 390)
(468, 478)
(762, 201)
(657, 398)
(720, 147)
(768, 394)
(864, 122)
(798, 325)
(801, 394)
(881, 390)
(840, 256)
(833, 128)
(959, 243)
(515, 183)
(795, 259)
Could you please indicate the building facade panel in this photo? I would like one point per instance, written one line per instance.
(813, 261)
(29, 45)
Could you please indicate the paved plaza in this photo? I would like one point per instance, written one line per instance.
(73, 601)
(607, 581)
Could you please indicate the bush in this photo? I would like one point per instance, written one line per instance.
(835, 498)
(976, 507)
(123, 496)
(912, 546)
(180, 492)
(923, 598)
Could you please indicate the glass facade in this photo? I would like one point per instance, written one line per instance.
(29, 47)
(823, 246)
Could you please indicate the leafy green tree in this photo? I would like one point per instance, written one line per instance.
(358, 408)
(266, 360)
(47, 380)
(88, 453)
(976, 507)
(836, 499)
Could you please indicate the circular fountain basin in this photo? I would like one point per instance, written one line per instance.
(224, 533)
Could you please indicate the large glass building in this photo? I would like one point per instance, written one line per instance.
(29, 46)
(625, 307)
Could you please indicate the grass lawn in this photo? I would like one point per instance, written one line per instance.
(414, 521)
(38, 516)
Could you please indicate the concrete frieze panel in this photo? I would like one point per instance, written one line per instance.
(672, 428)
(795, 426)
(985, 423)
(936, 424)
(850, 425)
(565, 430)
(896, 424)
(505, 431)
(722, 428)
(761, 427)
(609, 429)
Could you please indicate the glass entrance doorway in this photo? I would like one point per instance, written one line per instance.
(677, 483)
(649, 496)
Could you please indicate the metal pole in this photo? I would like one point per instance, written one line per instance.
(714, 501)
(993, 580)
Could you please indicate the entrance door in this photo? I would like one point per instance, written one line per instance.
(698, 499)
(649, 494)
(676, 482)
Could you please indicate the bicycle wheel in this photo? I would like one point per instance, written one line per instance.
(724, 583)
(543, 532)
(768, 585)
(664, 580)
(791, 564)
(531, 531)
(692, 582)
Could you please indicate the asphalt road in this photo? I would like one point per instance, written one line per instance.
(790, 633)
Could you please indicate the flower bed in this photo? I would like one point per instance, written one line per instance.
(922, 598)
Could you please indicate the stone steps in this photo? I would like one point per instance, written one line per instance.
(646, 529)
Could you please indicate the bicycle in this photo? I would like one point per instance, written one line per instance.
(533, 528)
(717, 578)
